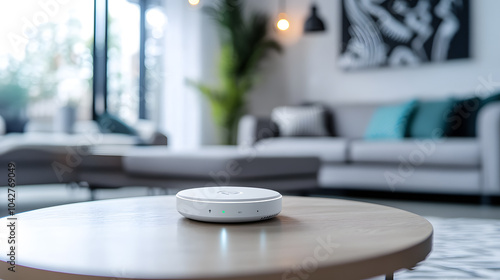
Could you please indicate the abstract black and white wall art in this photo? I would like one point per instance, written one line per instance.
(378, 33)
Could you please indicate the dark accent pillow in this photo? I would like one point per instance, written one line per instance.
(430, 119)
(462, 117)
(111, 124)
(266, 128)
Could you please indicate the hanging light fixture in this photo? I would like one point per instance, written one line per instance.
(283, 23)
(194, 2)
(313, 22)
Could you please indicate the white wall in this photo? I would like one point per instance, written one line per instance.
(308, 71)
(189, 54)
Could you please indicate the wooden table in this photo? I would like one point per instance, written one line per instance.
(146, 238)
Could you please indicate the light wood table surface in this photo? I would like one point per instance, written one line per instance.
(146, 238)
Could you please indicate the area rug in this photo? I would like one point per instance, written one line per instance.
(463, 249)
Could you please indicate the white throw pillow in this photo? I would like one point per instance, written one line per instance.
(300, 120)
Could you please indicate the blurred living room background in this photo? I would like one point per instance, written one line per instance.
(387, 101)
(152, 48)
(186, 72)
(189, 75)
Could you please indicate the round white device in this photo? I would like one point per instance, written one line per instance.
(228, 204)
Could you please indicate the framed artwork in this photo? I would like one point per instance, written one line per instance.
(392, 33)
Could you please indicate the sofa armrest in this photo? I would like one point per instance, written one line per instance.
(489, 142)
(252, 129)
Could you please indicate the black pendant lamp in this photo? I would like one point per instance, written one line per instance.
(313, 22)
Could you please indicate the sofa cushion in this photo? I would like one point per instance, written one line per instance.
(430, 119)
(216, 162)
(459, 152)
(327, 149)
(390, 178)
(390, 122)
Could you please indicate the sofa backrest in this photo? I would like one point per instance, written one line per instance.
(351, 121)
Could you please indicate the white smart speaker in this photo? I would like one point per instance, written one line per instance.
(228, 204)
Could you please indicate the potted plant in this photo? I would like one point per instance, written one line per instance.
(244, 43)
(13, 100)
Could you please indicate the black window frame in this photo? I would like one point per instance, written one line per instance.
(100, 59)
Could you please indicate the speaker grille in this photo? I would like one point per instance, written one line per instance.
(268, 217)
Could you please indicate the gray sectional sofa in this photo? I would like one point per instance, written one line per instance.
(454, 165)
(115, 160)
(47, 158)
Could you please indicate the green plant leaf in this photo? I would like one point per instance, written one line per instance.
(244, 44)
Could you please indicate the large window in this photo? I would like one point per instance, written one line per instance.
(124, 32)
(95, 55)
(134, 41)
(45, 59)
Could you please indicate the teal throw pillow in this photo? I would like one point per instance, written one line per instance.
(430, 119)
(390, 122)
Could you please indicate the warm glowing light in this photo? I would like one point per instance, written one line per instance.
(283, 23)
(156, 18)
(194, 2)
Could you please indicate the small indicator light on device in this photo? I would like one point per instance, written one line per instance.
(223, 212)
